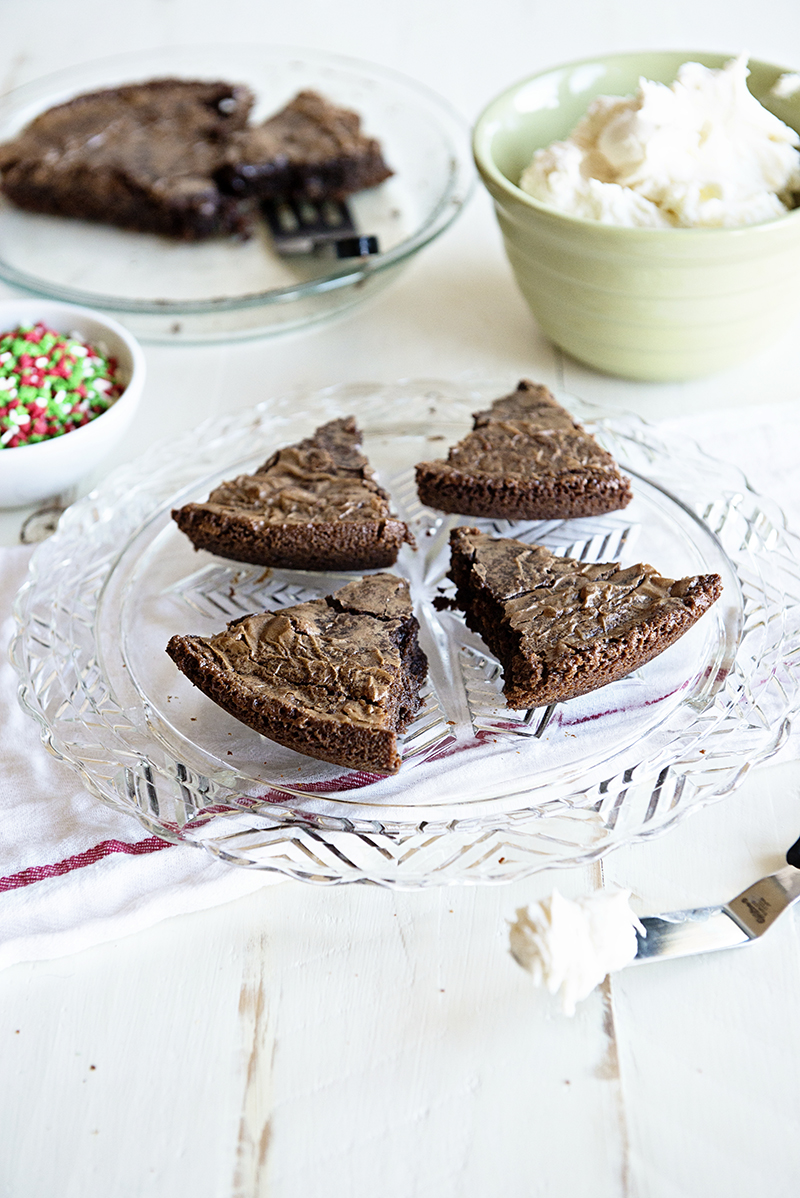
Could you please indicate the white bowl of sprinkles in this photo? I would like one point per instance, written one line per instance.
(62, 409)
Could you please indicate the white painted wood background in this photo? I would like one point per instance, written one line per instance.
(354, 1041)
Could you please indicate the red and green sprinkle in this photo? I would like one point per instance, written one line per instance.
(51, 384)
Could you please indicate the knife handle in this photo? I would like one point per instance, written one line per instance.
(793, 855)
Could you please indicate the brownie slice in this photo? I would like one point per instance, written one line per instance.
(311, 506)
(560, 627)
(337, 678)
(310, 148)
(142, 156)
(526, 459)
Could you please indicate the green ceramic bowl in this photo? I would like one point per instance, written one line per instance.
(655, 304)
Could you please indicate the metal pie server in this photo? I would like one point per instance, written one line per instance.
(705, 929)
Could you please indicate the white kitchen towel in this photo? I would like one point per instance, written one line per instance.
(74, 873)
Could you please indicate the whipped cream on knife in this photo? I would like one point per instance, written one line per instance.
(700, 153)
(569, 946)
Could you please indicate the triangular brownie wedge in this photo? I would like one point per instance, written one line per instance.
(336, 678)
(311, 506)
(310, 148)
(561, 628)
(526, 459)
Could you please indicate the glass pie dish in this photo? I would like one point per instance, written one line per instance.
(484, 794)
(224, 288)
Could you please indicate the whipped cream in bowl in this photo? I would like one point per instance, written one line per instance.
(647, 203)
(701, 152)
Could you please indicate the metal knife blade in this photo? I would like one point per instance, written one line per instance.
(706, 929)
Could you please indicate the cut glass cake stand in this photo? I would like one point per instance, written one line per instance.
(484, 794)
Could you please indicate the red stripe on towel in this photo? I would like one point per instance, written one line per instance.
(37, 873)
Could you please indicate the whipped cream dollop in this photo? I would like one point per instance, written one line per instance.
(786, 85)
(570, 946)
(701, 152)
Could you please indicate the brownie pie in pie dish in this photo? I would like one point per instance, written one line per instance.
(526, 459)
(335, 678)
(560, 627)
(311, 506)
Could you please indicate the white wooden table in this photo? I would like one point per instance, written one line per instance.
(356, 1041)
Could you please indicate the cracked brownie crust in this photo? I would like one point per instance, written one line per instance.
(142, 157)
(310, 148)
(561, 628)
(311, 506)
(337, 678)
(526, 459)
